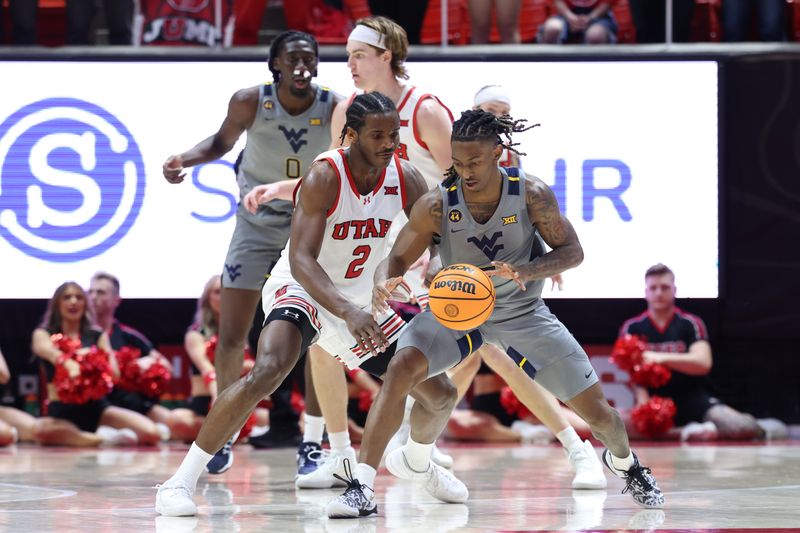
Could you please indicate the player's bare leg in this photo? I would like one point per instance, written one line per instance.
(278, 351)
(436, 397)
(608, 427)
(312, 473)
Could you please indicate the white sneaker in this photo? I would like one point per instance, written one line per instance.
(440, 483)
(774, 429)
(322, 477)
(588, 469)
(533, 433)
(699, 431)
(163, 431)
(117, 437)
(441, 458)
(175, 499)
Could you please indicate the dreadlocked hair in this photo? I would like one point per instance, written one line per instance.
(362, 105)
(280, 41)
(477, 124)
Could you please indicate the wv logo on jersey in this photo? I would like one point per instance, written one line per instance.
(488, 246)
(72, 180)
(295, 138)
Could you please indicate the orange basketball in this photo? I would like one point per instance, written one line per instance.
(461, 297)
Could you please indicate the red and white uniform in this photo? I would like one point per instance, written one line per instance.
(355, 241)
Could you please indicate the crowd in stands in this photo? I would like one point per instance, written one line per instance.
(159, 22)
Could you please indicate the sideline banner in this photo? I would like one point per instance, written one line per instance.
(630, 148)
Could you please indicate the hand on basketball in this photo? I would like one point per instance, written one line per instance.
(368, 335)
(504, 270)
(173, 169)
(260, 195)
(388, 290)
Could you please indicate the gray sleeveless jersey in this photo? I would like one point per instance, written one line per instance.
(508, 236)
(280, 146)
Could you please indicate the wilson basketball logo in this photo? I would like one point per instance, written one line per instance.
(464, 287)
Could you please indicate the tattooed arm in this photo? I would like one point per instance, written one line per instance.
(556, 231)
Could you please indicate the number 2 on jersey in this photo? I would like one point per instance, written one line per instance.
(357, 265)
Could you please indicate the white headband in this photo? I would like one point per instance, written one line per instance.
(492, 93)
(367, 35)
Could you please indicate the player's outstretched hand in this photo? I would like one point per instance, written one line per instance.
(504, 270)
(173, 169)
(368, 335)
(557, 281)
(392, 289)
(260, 195)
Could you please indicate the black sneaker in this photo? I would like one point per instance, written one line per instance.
(639, 481)
(353, 502)
(308, 457)
(222, 460)
(276, 439)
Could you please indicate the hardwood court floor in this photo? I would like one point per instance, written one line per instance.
(712, 488)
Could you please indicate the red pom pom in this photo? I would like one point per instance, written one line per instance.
(651, 375)
(127, 360)
(65, 344)
(155, 380)
(211, 348)
(93, 383)
(655, 417)
(627, 352)
(512, 405)
(364, 401)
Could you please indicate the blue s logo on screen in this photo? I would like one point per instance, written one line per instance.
(72, 180)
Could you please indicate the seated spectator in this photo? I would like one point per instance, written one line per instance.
(72, 424)
(737, 16)
(590, 21)
(679, 341)
(649, 18)
(507, 16)
(15, 425)
(22, 14)
(185, 23)
(119, 19)
(104, 300)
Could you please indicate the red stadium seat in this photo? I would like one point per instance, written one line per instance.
(532, 14)
(457, 23)
(706, 24)
(626, 33)
(357, 9)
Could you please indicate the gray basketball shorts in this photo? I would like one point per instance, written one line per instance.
(545, 349)
(443, 347)
(253, 251)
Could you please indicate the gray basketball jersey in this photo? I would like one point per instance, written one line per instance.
(508, 236)
(281, 146)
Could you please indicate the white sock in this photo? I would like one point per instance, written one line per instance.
(365, 475)
(339, 441)
(418, 455)
(569, 439)
(622, 464)
(192, 466)
(314, 427)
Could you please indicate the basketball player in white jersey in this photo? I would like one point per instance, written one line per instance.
(320, 291)
(288, 125)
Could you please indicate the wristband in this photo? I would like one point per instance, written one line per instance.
(209, 377)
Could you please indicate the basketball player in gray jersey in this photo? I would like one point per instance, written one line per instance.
(288, 125)
(499, 219)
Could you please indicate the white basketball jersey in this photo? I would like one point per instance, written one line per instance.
(357, 229)
(412, 148)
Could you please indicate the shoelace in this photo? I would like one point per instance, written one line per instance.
(319, 456)
(352, 483)
(636, 475)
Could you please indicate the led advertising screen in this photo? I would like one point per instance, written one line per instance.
(630, 149)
